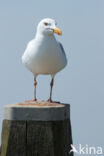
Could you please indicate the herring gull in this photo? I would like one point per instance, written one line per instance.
(44, 54)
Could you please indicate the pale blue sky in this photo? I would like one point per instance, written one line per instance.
(81, 82)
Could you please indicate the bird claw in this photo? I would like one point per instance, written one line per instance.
(33, 100)
(50, 100)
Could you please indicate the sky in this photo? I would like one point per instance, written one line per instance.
(80, 84)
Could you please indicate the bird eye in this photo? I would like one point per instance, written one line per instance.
(45, 23)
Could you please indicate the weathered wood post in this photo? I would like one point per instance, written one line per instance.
(40, 129)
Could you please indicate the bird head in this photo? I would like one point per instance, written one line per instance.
(48, 26)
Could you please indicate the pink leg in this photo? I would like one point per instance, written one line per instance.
(35, 83)
(51, 87)
(34, 99)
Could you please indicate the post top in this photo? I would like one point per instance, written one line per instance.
(38, 111)
(36, 104)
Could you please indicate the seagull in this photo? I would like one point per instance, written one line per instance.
(44, 54)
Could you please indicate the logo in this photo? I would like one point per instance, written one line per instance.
(86, 150)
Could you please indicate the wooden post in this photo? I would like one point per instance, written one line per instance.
(36, 129)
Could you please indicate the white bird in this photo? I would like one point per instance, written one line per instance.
(44, 54)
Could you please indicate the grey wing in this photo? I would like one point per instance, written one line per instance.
(63, 51)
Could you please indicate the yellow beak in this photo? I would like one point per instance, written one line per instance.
(57, 31)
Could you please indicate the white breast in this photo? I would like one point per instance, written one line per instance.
(44, 56)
